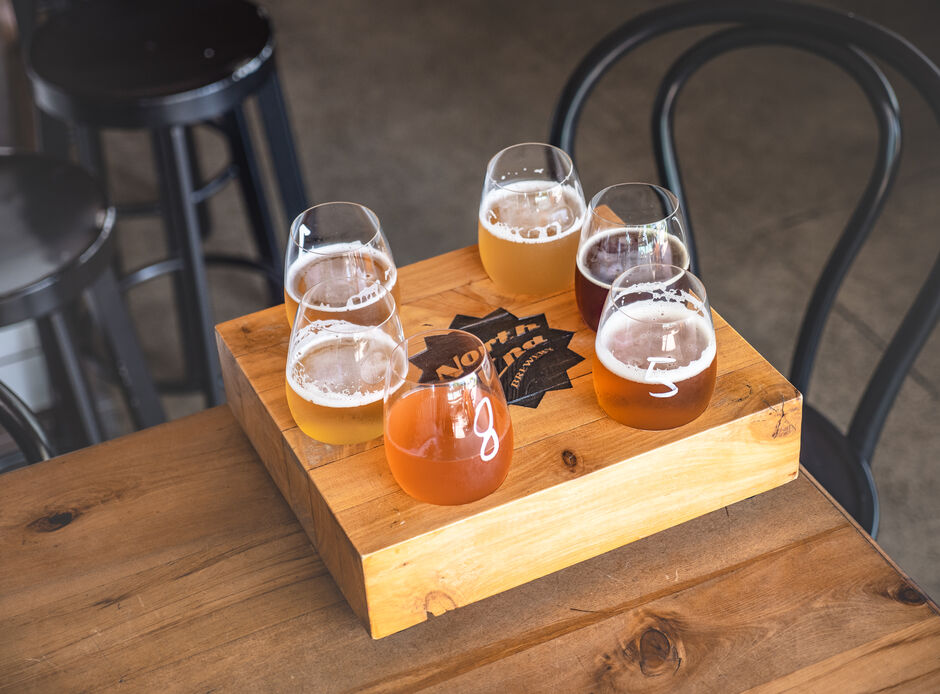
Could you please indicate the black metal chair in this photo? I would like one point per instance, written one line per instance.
(24, 428)
(841, 462)
(57, 245)
(168, 66)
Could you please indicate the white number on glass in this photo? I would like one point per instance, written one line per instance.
(658, 378)
(489, 434)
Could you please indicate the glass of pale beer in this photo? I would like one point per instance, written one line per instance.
(626, 224)
(343, 335)
(530, 215)
(448, 434)
(331, 238)
(655, 350)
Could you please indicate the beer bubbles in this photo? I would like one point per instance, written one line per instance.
(344, 334)
(531, 211)
(333, 239)
(656, 364)
(627, 224)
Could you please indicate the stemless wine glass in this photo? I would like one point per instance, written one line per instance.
(655, 347)
(626, 224)
(344, 332)
(448, 434)
(331, 237)
(531, 210)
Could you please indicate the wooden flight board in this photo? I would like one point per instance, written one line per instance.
(580, 483)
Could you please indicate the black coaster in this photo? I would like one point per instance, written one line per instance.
(530, 357)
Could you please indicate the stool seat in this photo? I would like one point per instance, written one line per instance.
(55, 236)
(170, 66)
(147, 63)
(56, 249)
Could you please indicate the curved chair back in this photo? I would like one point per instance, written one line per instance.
(20, 422)
(849, 42)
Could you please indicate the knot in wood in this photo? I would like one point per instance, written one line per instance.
(437, 602)
(909, 595)
(53, 521)
(570, 459)
(656, 653)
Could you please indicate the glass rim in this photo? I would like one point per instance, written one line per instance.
(697, 285)
(296, 224)
(566, 158)
(438, 384)
(384, 292)
(673, 199)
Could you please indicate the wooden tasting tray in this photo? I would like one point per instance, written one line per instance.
(580, 484)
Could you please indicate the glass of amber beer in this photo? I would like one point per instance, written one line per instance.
(345, 330)
(335, 237)
(655, 349)
(530, 214)
(448, 434)
(627, 224)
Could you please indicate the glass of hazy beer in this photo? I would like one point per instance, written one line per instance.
(655, 348)
(530, 214)
(448, 434)
(627, 224)
(335, 237)
(345, 330)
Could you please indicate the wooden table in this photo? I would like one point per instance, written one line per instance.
(129, 566)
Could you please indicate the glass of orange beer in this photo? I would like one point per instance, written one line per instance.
(530, 215)
(331, 238)
(343, 335)
(655, 351)
(448, 434)
(626, 224)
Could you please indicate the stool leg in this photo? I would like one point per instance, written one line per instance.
(205, 222)
(281, 142)
(67, 431)
(252, 189)
(188, 322)
(56, 323)
(111, 314)
(177, 186)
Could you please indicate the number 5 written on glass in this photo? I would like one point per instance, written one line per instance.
(658, 378)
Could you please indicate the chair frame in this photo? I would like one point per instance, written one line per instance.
(20, 422)
(846, 41)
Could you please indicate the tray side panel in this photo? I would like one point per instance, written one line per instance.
(295, 485)
(624, 502)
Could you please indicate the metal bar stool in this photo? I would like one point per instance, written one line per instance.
(57, 245)
(167, 66)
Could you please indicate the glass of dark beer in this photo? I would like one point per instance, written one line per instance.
(655, 350)
(626, 225)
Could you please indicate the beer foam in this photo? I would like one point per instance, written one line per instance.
(345, 363)
(637, 332)
(501, 199)
(615, 263)
(335, 251)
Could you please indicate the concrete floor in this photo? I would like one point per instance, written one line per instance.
(400, 105)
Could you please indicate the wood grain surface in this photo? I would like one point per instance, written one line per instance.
(580, 483)
(168, 561)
